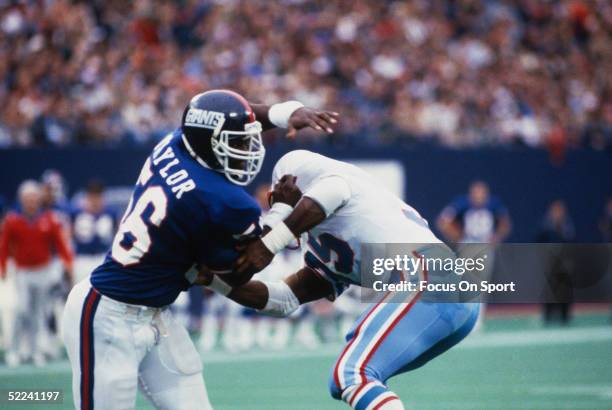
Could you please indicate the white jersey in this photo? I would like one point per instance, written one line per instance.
(370, 214)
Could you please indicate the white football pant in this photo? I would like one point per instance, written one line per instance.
(115, 348)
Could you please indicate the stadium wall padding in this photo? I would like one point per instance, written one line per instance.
(524, 179)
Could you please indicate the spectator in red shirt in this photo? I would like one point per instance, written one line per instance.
(29, 236)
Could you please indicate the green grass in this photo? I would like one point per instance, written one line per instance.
(514, 365)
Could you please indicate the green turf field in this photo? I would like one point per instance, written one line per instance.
(513, 364)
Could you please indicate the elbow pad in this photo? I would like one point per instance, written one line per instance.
(281, 299)
(330, 193)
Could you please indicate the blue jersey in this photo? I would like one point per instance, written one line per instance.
(92, 232)
(181, 213)
(478, 223)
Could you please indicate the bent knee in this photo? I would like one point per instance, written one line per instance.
(346, 389)
(340, 382)
(361, 396)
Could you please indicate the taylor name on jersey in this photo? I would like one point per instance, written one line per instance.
(180, 213)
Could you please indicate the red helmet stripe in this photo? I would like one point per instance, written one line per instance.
(244, 102)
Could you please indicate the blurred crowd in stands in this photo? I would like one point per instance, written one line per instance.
(456, 72)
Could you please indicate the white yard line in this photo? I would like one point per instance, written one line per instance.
(537, 337)
(601, 391)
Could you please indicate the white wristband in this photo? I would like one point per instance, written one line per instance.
(281, 300)
(276, 214)
(279, 114)
(278, 238)
(218, 285)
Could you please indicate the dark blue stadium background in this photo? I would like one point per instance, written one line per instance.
(525, 179)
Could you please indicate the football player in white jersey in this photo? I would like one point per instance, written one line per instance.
(340, 207)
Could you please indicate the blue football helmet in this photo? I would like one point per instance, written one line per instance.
(221, 133)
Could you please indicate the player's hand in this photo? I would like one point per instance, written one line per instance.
(253, 258)
(307, 117)
(286, 191)
(205, 276)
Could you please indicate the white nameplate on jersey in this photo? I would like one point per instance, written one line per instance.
(204, 118)
(170, 171)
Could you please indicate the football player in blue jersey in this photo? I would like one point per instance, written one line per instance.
(93, 228)
(477, 217)
(188, 207)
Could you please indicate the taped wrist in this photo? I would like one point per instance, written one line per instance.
(278, 213)
(218, 285)
(278, 238)
(279, 114)
(281, 299)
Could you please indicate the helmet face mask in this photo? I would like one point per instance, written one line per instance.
(221, 133)
(240, 153)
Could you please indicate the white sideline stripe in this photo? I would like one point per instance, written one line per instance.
(537, 337)
(601, 391)
(545, 337)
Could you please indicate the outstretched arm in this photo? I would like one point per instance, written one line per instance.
(293, 116)
(279, 298)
